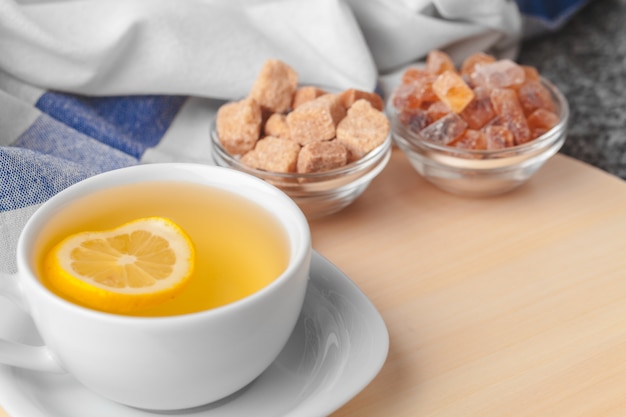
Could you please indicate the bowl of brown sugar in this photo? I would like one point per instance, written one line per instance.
(479, 130)
(320, 146)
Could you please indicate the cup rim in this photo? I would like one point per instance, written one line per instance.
(295, 226)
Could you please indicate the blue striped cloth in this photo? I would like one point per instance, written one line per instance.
(51, 140)
(75, 137)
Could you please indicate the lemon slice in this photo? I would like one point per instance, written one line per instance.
(136, 265)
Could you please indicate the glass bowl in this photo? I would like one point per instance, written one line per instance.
(480, 173)
(317, 194)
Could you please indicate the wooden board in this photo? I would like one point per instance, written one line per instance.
(506, 306)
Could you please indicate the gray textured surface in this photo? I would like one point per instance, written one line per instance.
(586, 59)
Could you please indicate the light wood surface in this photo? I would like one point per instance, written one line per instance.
(507, 307)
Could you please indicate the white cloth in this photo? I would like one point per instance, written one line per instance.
(152, 54)
(214, 48)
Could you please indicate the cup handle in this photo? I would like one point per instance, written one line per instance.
(13, 317)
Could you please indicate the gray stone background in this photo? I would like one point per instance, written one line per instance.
(586, 59)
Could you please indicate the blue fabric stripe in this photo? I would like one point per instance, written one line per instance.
(28, 177)
(76, 137)
(130, 124)
(51, 137)
(550, 10)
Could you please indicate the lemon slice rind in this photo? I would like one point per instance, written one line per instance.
(90, 267)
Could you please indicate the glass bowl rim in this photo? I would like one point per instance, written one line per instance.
(373, 157)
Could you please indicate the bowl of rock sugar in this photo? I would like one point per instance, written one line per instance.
(480, 129)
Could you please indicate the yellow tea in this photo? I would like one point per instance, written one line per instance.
(240, 247)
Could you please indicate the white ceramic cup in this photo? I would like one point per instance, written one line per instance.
(162, 363)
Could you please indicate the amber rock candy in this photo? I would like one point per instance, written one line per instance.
(498, 137)
(415, 119)
(436, 111)
(438, 62)
(403, 97)
(500, 74)
(414, 95)
(445, 130)
(417, 75)
(540, 121)
(238, 125)
(453, 91)
(533, 95)
(510, 112)
(479, 111)
(474, 61)
(471, 139)
(504, 97)
(275, 85)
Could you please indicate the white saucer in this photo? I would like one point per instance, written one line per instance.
(338, 346)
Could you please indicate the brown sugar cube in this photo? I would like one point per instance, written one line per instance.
(276, 125)
(322, 156)
(315, 120)
(238, 125)
(452, 90)
(274, 86)
(540, 121)
(510, 111)
(273, 154)
(334, 101)
(304, 94)
(438, 62)
(348, 97)
(363, 129)
(474, 61)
